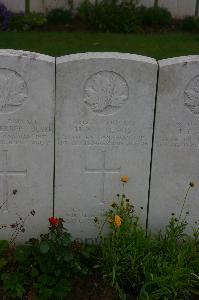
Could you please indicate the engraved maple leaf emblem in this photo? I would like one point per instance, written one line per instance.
(192, 98)
(12, 91)
(105, 92)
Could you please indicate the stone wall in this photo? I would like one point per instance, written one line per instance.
(179, 8)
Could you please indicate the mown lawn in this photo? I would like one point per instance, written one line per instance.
(60, 43)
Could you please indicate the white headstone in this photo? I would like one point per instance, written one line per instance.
(104, 120)
(176, 145)
(26, 141)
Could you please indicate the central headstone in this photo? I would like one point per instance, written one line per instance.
(104, 124)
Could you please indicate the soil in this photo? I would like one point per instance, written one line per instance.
(92, 288)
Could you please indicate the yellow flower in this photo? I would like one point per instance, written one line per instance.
(124, 179)
(118, 221)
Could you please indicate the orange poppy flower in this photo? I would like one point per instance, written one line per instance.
(117, 221)
(124, 179)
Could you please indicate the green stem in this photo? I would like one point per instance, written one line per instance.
(71, 4)
(101, 228)
(123, 189)
(27, 6)
(197, 8)
(184, 202)
(156, 3)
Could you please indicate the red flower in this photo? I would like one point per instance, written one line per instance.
(53, 221)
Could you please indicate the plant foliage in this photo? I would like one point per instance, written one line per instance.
(25, 22)
(109, 15)
(59, 16)
(161, 266)
(47, 266)
(4, 17)
(190, 24)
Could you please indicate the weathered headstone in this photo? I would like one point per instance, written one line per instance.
(104, 123)
(26, 142)
(176, 145)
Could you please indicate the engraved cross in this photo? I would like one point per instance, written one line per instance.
(103, 171)
(5, 173)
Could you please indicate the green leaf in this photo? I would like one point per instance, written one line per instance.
(66, 240)
(66, 243)
(4, 245)
(34, 273)
(14, 283)
(68, 257)
(62, 289)
(45, 293)
(85, 254)
(23, 253)
(20, 291)
(44, 247)
(3, 262)
(52, 236)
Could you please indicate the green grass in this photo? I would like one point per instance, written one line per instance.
(60, 43)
